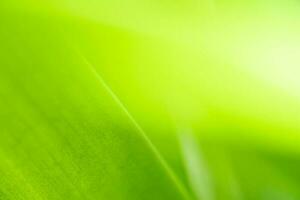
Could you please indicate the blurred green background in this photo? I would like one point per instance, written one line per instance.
(150, 99)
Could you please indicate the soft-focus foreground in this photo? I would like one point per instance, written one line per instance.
(149, 99)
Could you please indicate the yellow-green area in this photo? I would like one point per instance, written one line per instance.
(149, 99)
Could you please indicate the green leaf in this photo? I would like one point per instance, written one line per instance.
(149, 99)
